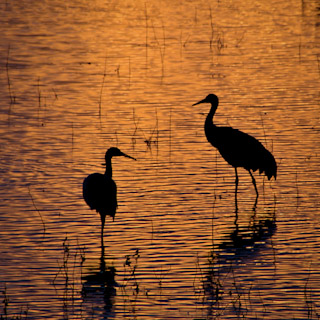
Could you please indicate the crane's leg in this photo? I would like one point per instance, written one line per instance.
(103, 219)
(254, 183)
(237, 178)
(236, 192)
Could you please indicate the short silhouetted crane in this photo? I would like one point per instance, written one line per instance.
(100, 190)
(238, 148)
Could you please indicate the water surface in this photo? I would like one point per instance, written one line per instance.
(82, 76)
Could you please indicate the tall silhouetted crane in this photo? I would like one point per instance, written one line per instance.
(238, 148)
(100, 190)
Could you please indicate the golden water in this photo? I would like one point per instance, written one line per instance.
(87, 75)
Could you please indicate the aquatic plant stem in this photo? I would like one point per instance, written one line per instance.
(43, 224)
(11, 96)
(102, 86)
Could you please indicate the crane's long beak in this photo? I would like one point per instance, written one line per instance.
(202, 101)
(127, 156)
(124, 155)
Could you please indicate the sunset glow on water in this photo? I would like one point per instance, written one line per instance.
(79, 77)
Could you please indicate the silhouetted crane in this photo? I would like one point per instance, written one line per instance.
(238, 148)
(100, 190)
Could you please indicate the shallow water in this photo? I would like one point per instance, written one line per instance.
(87, 75)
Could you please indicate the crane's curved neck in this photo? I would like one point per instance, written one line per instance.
(108, 171)
(209, 120)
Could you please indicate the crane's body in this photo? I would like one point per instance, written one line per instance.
(238, 148)
(100, 194)
(100, 190)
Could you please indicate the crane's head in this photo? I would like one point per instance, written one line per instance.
(210, 98)
(115, 152)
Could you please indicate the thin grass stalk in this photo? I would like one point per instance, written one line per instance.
(147, 32)
(161, 47)
(212, 29)
(129, 77)
(11, 96)
(33, 202)
(170, 132)
(102, 86)
(72, 136)
(39, 98)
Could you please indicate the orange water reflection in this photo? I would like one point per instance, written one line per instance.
(146, 64)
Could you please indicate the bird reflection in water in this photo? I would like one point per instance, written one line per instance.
(99, 288)
(100, 190)
(247, 237)
(240, 246)
(238, 148)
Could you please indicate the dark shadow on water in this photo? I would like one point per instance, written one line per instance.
(245, 241)
(240, 246)
(250, 236)
(99, 290)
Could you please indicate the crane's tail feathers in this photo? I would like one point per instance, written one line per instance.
(268, 165)
(269, 173)
(269, 169)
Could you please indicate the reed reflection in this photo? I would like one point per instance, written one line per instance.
(240, 246)
(99, 288)
(244, 239)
